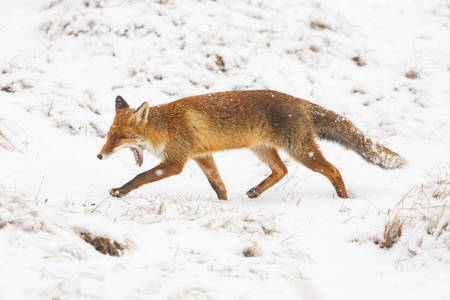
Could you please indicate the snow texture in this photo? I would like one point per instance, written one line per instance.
(384, 65)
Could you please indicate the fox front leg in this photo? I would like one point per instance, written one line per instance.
(161, 171)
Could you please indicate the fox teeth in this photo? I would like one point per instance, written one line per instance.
(137, 157)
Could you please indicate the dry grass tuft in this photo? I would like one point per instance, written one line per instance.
(424, 208)
(392, 232)
(221, 64)
(103, 245)
(209, 214)
(6, 143)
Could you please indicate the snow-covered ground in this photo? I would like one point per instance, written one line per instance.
(383, 64)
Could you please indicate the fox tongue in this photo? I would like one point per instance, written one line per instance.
(137, 156)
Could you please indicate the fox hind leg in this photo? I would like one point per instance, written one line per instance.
(312, 158)
(209, 168)
(270, 157)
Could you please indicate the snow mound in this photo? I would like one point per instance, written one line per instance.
(20, 215)
(190, 47)
(384, 65)
(420, 222)
(42, 244)
(252, 244)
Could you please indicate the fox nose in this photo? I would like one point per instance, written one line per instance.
(99, 156)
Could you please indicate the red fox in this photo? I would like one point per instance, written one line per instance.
(261, 120)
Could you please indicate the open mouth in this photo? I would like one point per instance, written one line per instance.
(138, 155)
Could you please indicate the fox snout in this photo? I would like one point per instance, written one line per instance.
(103, 156)
(105, 152)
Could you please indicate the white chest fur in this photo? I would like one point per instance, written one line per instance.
(156, 151)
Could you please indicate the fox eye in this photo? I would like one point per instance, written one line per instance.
(115, 140)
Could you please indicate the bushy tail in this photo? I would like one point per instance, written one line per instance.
(334, 127)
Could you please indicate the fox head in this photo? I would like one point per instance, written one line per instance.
(126, 130)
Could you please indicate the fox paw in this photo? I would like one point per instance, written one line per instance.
(118, 193)
(253, 193)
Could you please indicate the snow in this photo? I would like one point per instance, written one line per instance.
(383, 64)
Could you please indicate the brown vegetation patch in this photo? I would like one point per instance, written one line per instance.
(412, 74)
(358, 61)
(103, 245)
(392, 232)
(317, 25)
(7, 89)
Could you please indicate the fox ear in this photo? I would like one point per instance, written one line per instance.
(140, 115)
(121, 103)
